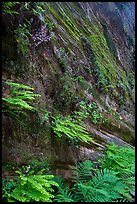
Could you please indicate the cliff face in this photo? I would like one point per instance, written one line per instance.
(76, 51)
(118, 23)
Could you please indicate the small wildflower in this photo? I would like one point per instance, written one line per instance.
(28, 168)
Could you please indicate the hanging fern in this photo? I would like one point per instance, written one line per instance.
(19, 98)
(70, 128)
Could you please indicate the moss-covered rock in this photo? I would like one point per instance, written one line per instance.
(77, 51)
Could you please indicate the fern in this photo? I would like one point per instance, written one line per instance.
(121, 160)
(108, 180)
(111, 182)
(70, 128)
(33, 188)
(86, 193)
(82, 171)
(104, 186)
(63, 194)
(59, 180)
(18, 99)
(100, 186)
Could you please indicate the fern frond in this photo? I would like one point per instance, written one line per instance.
(82, 172)
(99, 185)
(64, 195)
(120, 159)
(34, 188)
(18, 86)
(18, 102)
(19, 98)
(70, 128)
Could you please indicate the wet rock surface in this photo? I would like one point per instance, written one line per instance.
(82, 31)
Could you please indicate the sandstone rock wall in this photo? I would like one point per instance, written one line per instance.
(79, 38)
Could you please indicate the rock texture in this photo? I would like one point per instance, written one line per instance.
(68, 40)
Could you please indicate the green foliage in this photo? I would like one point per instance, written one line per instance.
(19, 99)
(7, 187)
(110, 181)
(62, 57)
(106, 75)
(109, 40)
(63, 193)
(80, 79)
(120, 101)
(91, 184)
(7, 7)
(104, 186)
(22, 34)
(119, 159)
(8, 166)
(32, 187)
(44, 118)
(36, 7)
(82, 112)
(35, 166)
(122, 93)
(122, 161)
(65, 95)
(82, 171)
(131, 77)
(102, 82)
(49, 23)
(90, 111)
(69, 128)
(83, 83)
(69, 24)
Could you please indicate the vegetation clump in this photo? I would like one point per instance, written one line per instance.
(100, 183)
(68, 127)
(19, 99)
(22, 34)
(30, 187)
(90, 111)
(109, 180)
(93, 57)
(7, 8)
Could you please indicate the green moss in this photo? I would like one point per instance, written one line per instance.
(108, 71)
(107, 68)
(84, 84)
(103, 57)
(64, 20)
(69, 23)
